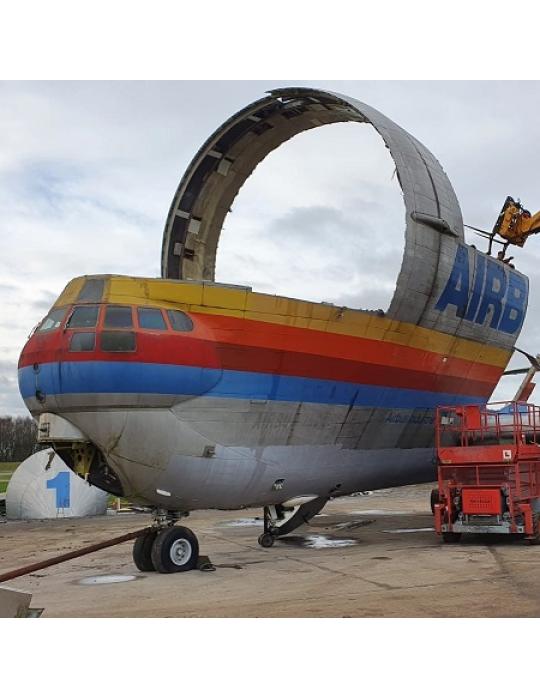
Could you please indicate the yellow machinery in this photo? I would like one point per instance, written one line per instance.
(515, 224)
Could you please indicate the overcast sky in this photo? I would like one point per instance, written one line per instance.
(88, 170)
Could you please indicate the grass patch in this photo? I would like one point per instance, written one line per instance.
(8, 466)
(6, 470)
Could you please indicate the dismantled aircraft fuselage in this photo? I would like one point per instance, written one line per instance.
(182, 393)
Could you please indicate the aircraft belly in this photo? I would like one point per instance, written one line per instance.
(240, 476)
(259, 423)
(226, 453)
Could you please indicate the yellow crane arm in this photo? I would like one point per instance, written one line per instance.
(531, 224)
(516, 224)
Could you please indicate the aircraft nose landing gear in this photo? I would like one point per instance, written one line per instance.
(266, 539)
(168, 548)
(285, 517)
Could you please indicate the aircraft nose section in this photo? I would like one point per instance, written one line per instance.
(38, 373)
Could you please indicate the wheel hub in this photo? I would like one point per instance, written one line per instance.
(180, 552)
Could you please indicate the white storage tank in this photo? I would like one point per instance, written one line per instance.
(43, 486)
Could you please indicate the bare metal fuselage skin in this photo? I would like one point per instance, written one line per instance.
(255, 399)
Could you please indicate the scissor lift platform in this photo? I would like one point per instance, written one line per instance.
(488, 470)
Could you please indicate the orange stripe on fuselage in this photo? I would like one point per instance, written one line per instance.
(268, 336)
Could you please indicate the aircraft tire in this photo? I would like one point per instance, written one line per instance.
(175, 549)
(434, 499)
(142, 551)
(266, 539)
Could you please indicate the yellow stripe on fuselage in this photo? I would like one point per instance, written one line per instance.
(239, 302)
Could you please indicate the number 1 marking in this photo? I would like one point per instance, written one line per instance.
(60, 484)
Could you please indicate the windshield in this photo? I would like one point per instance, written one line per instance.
(52, 321)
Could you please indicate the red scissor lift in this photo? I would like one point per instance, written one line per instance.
(488, 470)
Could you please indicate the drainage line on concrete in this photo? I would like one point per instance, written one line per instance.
(71, 555)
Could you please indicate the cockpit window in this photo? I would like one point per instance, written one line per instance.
(53, 321)
(179, 320)
(83, 317)
(118, 317)
(118, 341)
(82, 342)
(152, 319)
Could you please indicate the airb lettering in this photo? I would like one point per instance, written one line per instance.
(494, 293)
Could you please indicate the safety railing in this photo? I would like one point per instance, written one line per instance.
(495, 423)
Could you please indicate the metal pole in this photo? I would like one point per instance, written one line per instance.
(71, 555)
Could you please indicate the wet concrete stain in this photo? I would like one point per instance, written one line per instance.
(317, 541)
(242, 522)
(107, 579)
(353, 525)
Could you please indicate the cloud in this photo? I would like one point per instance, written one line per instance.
(322, 218)
(9, 398)
(45, 302)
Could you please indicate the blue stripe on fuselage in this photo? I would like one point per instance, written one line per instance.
(151, 378)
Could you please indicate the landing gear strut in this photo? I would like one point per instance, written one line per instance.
(285, 517)
(168, 548)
